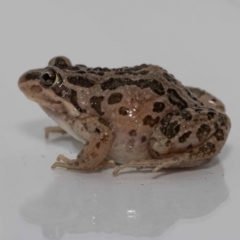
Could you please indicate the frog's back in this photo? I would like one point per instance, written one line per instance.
(147, 86)
(140, 95)
(148, 83)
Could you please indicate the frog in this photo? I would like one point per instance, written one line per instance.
(138, 117)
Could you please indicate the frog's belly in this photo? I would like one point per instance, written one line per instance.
(125, 149)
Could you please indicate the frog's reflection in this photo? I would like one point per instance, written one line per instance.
(131, 204)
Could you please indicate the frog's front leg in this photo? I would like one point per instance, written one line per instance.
(95, 149)
(186, 139)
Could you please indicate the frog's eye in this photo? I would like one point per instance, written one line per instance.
(50, 78)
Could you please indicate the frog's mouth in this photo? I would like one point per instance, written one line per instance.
(29, 84)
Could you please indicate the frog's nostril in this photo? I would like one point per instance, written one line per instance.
(36, 89)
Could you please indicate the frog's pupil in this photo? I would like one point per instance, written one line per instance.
(48, 79)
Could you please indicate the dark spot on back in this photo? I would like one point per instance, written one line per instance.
(169, 77)
(171, 130)
(95, 103)
(175, 99)
(80, 81)
(211, 115)
(207, 148)
(97, 130)
(113, 83)
(132, 133)
(131, 70)
(103, 121)
(157, 87)
(120, 73)
(148, 120)
(98, 144)
(158, 107)
(203, 132)
(165, 121)
(143, 139)
(144, 72)
(123, 111)
(115, 98)
(197, 109)
(219, 135)
(222, 119)
(184, 137)
(81, 72)
(186, 115)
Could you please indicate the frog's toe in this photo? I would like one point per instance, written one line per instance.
(132, 164)
(164, 165)
(60, 164)
(65, 162)
(62, 158)
(56, 129)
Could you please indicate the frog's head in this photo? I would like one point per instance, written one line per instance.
(49, 88)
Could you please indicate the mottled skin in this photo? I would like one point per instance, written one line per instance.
(137, 117)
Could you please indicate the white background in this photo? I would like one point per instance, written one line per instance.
(197, 41)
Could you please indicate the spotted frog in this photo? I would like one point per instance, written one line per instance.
(140, 117)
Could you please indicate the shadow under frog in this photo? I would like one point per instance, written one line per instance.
(130, 205)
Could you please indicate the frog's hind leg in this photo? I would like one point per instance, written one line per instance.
(189, 138)
(178, 161)
(208, 99)
(193, 157)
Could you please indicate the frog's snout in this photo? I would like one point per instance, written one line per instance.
(26, 78)
(29, 84)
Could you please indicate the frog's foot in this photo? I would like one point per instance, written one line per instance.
(65, 162)
(56, 129)
(147, 163)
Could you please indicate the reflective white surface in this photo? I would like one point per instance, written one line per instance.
(135, 204)
(197, 41)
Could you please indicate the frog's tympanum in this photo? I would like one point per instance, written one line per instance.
(140, 117)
